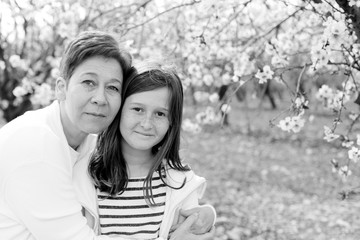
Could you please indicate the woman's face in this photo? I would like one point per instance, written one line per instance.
(91, 98)
(145, 119)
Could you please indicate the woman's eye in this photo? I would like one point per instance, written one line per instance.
(136, 109)
(113, 88)
(89, 83)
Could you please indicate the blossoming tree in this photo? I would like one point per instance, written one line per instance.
(212, 43)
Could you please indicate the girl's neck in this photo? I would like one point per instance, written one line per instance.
(138, 162)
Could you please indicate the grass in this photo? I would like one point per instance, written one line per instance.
(271, 185)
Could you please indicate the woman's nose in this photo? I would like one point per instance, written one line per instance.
(99, 97)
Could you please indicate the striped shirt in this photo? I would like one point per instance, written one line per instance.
(128, 215)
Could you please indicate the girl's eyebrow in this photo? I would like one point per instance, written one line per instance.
(164, 109)
(141, 104)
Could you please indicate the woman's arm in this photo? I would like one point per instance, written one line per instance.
(41, 196)
(206, 214)
(184, 231)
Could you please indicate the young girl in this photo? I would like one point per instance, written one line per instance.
(141, 181)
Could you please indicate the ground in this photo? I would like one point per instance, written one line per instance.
(271, 185)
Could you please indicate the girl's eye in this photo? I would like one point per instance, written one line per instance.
(160, 114)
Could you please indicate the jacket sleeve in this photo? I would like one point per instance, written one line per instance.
(36, 186)
(192, 200)
(46, 205)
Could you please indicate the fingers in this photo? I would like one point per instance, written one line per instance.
(189, 221)
(183, 231)
(176, 217)
(174, 227)
(207, 236)
(188, 212)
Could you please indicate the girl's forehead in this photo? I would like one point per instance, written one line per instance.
(160, 96)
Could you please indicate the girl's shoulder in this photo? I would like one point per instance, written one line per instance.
(177, 178)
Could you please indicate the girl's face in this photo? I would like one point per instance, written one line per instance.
(145, 119)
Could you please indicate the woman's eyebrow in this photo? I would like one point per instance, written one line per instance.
(96, 75)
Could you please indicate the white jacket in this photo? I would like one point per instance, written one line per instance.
(37, 195)
(184, 198)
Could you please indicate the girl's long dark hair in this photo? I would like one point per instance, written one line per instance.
(107, 165)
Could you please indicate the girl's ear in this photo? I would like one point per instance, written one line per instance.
(60, 89)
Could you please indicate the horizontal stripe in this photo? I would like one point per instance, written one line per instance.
(134, 212)
(129, 224)
(128, 198)
(129, 233)
(131, 221)
(132, 216)
(143, 179)
(143, 188)
(126, 207)
(128, 214)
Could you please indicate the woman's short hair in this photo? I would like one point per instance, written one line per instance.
(90, 44)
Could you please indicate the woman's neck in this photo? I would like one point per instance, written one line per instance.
(73, 136)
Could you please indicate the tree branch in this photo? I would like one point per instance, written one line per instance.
(162, 13)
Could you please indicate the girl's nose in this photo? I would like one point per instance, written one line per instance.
(146, 122)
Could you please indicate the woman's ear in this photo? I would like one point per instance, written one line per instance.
(60, 89)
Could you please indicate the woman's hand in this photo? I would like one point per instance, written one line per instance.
(184, 230)
(205, 221)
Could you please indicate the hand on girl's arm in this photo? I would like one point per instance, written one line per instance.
(184, 230)
(204, 222)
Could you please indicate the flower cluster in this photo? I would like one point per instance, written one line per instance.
(201, 96)
(294, 124)
(319, 56)
(264, 75)
(300, 104)
(189, 126)
(354, 154)
(16, 62)
(354, 3)
(334, 99)
(225, 108)
(40, 95)
(329, 134)
(43, 95)
(209, 116)
(343, 171)
(2, 65)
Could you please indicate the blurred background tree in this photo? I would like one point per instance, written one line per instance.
(236, 58)
(297, 51)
